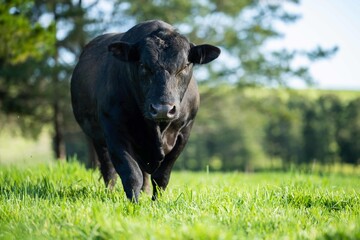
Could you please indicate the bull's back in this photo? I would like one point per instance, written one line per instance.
(85, 82)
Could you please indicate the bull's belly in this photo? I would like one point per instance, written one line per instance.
(93, 130)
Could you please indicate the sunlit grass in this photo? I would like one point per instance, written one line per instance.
(15, 149)
(64, 201)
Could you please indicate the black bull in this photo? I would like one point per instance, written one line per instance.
(134, 96)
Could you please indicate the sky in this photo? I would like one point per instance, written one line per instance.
(328, 23)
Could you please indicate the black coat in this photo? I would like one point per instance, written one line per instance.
(135, 97)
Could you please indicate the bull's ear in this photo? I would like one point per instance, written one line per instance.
(125, 51)
(202, 54)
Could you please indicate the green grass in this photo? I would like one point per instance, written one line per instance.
(66, 201)
(15, 149)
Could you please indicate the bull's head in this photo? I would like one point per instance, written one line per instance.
(163, 64)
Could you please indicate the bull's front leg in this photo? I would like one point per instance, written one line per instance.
(124, 164)
(160, 178)
(130, 173)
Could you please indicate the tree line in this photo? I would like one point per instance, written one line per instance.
(259, 128)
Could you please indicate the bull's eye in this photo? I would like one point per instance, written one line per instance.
(145, 69)
(184, 70)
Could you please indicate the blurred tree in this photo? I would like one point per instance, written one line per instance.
(320, 130)
(226, 134)
(244, 129)
(25, 43)
(22, 35)
(282, 136)
(240, 27)
(35, 67)
(74, 27)
(349, 133)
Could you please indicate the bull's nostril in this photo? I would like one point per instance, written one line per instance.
(172, 110)
(153, 110)
(162, 111)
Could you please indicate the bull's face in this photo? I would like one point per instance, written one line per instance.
(163, 69)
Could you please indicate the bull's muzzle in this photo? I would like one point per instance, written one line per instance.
(163, 112)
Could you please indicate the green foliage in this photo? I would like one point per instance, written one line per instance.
(24, 96)
(221, 136)
(66, 201)
(349, 133)
(241, 28)
(251, 129)
(282, 131)
(320, 130)
(22, 36)
(25, 46)
(39, 39)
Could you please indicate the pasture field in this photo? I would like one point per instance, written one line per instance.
(66, 201)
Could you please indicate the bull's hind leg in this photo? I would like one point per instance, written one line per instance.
(107, 169)
(146, 183)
